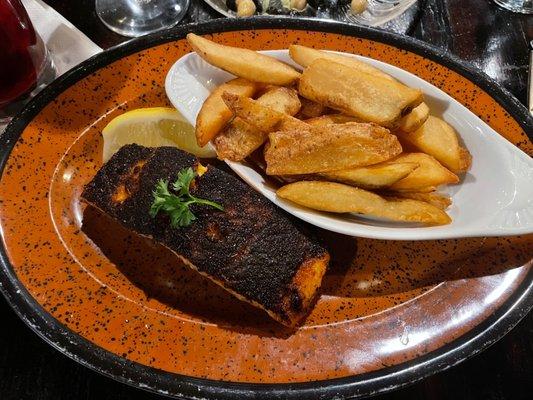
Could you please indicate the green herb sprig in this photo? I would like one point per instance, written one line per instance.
(177, 205)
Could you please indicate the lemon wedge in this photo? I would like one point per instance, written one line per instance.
(152, 127)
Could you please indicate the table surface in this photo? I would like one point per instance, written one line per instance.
(490, 38)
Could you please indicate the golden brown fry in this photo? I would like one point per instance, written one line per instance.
(438, 200)
(331, 119)
(375, 176)
(430, 173)
(305, 56)
(244, 62)
(263, 88)
(281, 99)
(333, 147)
(310, 109)
(425, 189)
(415, 119)
(339, 198)
(465, 160)
(263, 118)
(438, 139)
(239, 139)
(358, 94)
(214, 113)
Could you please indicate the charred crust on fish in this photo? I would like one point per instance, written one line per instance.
(252, 249)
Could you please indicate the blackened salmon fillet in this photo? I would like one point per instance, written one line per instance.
(252, 249)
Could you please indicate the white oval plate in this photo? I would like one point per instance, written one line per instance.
(495, 198)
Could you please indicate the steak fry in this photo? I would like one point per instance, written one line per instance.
(328, 148)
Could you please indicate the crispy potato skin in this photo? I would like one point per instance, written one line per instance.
(430, 173)
(281, 99)
(264, 118)
(415, 119)
(465, 160)
(239, 139)
(244, 63)
(438, 200)
(376, 176)
(331, 119)
(329, 148)
(438, 139)
(214, 113)
(358, 94)
(340, 198)
(305, 56)
(310, 109)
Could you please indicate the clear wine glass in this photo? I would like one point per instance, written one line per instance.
(520, 6)
(138, 17)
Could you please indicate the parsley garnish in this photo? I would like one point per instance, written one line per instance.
(177, 205)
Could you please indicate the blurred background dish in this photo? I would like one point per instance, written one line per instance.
(519, 6)
(365, 12)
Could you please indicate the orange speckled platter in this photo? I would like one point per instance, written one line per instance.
(389, 313)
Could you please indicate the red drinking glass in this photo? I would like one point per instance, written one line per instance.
(23, 56)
